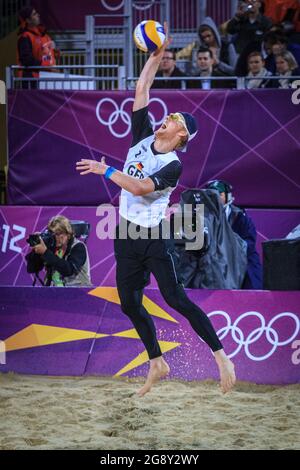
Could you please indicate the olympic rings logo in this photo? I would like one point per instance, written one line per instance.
(121, 4)
(143, 7)
(271, 334)
(121, 113)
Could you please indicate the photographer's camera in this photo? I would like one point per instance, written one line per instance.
(47, 237)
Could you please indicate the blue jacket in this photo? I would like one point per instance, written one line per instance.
(242, 224)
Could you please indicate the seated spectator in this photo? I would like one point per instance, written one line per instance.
(272, 44)
(35, 47)
(286, 66)
(248, 24)
(241, 224)
(168, 69)
(224, 53)
(205, 68)
(65, 257)
(280, 44)
(257, 71)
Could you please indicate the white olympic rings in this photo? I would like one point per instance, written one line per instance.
(271, 335)
(119, 112)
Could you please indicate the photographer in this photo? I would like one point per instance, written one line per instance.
(248, 24)
(221, 263)
(241, 224)
(65, 258)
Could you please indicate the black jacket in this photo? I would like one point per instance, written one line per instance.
(66, 267)
(277, 83)
(224, 263)
(169, 83)
(246, 31)
(214, 83)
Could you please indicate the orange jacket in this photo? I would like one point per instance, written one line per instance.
(38, 51)
(277, 9)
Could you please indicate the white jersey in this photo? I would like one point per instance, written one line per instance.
(143, 161)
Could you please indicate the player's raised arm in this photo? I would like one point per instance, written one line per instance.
(133, 185)
(148, 73)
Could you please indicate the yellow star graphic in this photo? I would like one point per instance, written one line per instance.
(36, 335)
(42, 335)
(111, 294)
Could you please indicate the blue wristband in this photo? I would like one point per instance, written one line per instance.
(110, 171)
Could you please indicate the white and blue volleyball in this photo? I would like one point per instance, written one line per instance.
(149, 35)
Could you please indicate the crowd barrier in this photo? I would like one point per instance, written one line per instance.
(76, 332)
(17, 223)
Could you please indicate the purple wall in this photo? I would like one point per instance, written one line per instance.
(67, 14)
(80, 332)
(21, 221)
(250, 138)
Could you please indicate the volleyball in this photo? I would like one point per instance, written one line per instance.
(149, 35)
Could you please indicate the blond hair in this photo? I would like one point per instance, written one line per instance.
(61, 223)
(289, 58)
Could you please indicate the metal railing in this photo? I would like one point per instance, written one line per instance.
(73, 58)
(92, 80)
(58, 78)
(240, 82)
(184, 81)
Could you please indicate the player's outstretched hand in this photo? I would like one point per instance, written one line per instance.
(159, 52)
(91, 166)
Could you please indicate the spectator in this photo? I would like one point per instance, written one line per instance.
(257, 71)
(272, 44)
(280, 43)
(241, 224)
(205, 63)
(35, 47)
(286, 66)
(248, 24)
(65, 258)
(168, 69)
(224, 53)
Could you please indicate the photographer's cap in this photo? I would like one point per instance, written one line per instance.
(191, 127)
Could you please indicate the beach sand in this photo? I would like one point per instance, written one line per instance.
(38, 412)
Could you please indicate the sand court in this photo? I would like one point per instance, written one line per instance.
(39, 412)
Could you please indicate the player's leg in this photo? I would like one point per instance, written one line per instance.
(131, 304)
(164, 271)
(131, 279)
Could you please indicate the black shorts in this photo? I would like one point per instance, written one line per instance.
(136, 259)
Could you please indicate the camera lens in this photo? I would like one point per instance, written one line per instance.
(33, 239)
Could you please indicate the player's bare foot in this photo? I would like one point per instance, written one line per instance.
(158, 369)
(226, 369)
